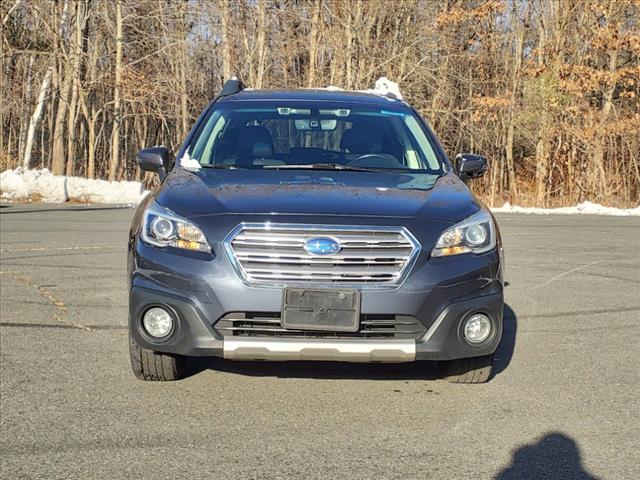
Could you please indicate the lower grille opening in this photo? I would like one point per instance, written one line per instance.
(267, 324)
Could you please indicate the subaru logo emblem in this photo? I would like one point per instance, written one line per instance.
(322, 246)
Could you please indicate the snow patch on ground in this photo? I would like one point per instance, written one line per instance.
(20, 184)
(584, 208)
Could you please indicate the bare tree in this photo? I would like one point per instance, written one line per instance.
(548, 90)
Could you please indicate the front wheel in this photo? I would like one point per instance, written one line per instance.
(468, 370)
(149, 365)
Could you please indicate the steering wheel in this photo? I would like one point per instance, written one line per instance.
(382, 160)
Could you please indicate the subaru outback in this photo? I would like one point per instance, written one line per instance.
(313, 225)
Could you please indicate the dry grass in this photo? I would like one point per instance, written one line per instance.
(35, 198)
(78, 201)
(7, 161)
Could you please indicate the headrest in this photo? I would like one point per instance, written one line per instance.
(254, 141)
(361, 139)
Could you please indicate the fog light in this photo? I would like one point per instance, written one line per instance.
(477, 328)
(157, 322)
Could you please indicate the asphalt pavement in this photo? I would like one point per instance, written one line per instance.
(563, 403)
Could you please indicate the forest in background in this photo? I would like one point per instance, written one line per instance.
(548, 90)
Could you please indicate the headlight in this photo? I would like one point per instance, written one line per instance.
(476, 234)
(164, 228)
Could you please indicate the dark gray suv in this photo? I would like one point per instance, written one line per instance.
(313, 225)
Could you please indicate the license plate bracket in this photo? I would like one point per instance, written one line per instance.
(324, 310)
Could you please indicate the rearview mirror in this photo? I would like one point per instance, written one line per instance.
(468, 166)
(154, 159)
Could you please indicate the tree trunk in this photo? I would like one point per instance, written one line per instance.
(313, 44)
(35, 118)
(73, 104)
(64, 85)
(117, 107)
(90, 119)
(541, 144)
(515, 81)
(598, 176)
(349, 52)
(58, 153)
(227, 68)
(262, 49)
(24, 121)
(92, 141)
(184, 93)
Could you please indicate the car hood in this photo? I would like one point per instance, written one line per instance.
(317, 192)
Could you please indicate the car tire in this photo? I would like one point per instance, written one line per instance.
(468, 370)
(152, 366)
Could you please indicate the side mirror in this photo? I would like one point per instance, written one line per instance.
(468, 166)
(154, 159)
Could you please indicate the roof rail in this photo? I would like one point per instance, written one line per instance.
(231, 86)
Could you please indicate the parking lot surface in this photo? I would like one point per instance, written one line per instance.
(563, 402)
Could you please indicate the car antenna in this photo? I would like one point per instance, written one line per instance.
(232, 86)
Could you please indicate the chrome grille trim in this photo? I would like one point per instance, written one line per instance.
(271, 254)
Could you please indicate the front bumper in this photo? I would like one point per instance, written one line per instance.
(442, 341)
(440, 293)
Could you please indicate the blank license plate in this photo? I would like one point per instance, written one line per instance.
(326, 310)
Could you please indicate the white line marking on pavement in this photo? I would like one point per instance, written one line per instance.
(568, 272)
(45, 249)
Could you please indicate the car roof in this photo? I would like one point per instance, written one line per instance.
(314, 95)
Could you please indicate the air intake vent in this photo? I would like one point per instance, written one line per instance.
(263, 324)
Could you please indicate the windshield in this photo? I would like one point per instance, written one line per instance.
(313, 135)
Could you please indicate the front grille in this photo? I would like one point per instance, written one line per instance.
(263, 324)
(276, 254)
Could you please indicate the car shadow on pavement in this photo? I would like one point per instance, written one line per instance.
(354, 371)
(325, 370)
(554, 456)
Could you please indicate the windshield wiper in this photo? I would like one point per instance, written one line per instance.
(221, 166)
(330, 166)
